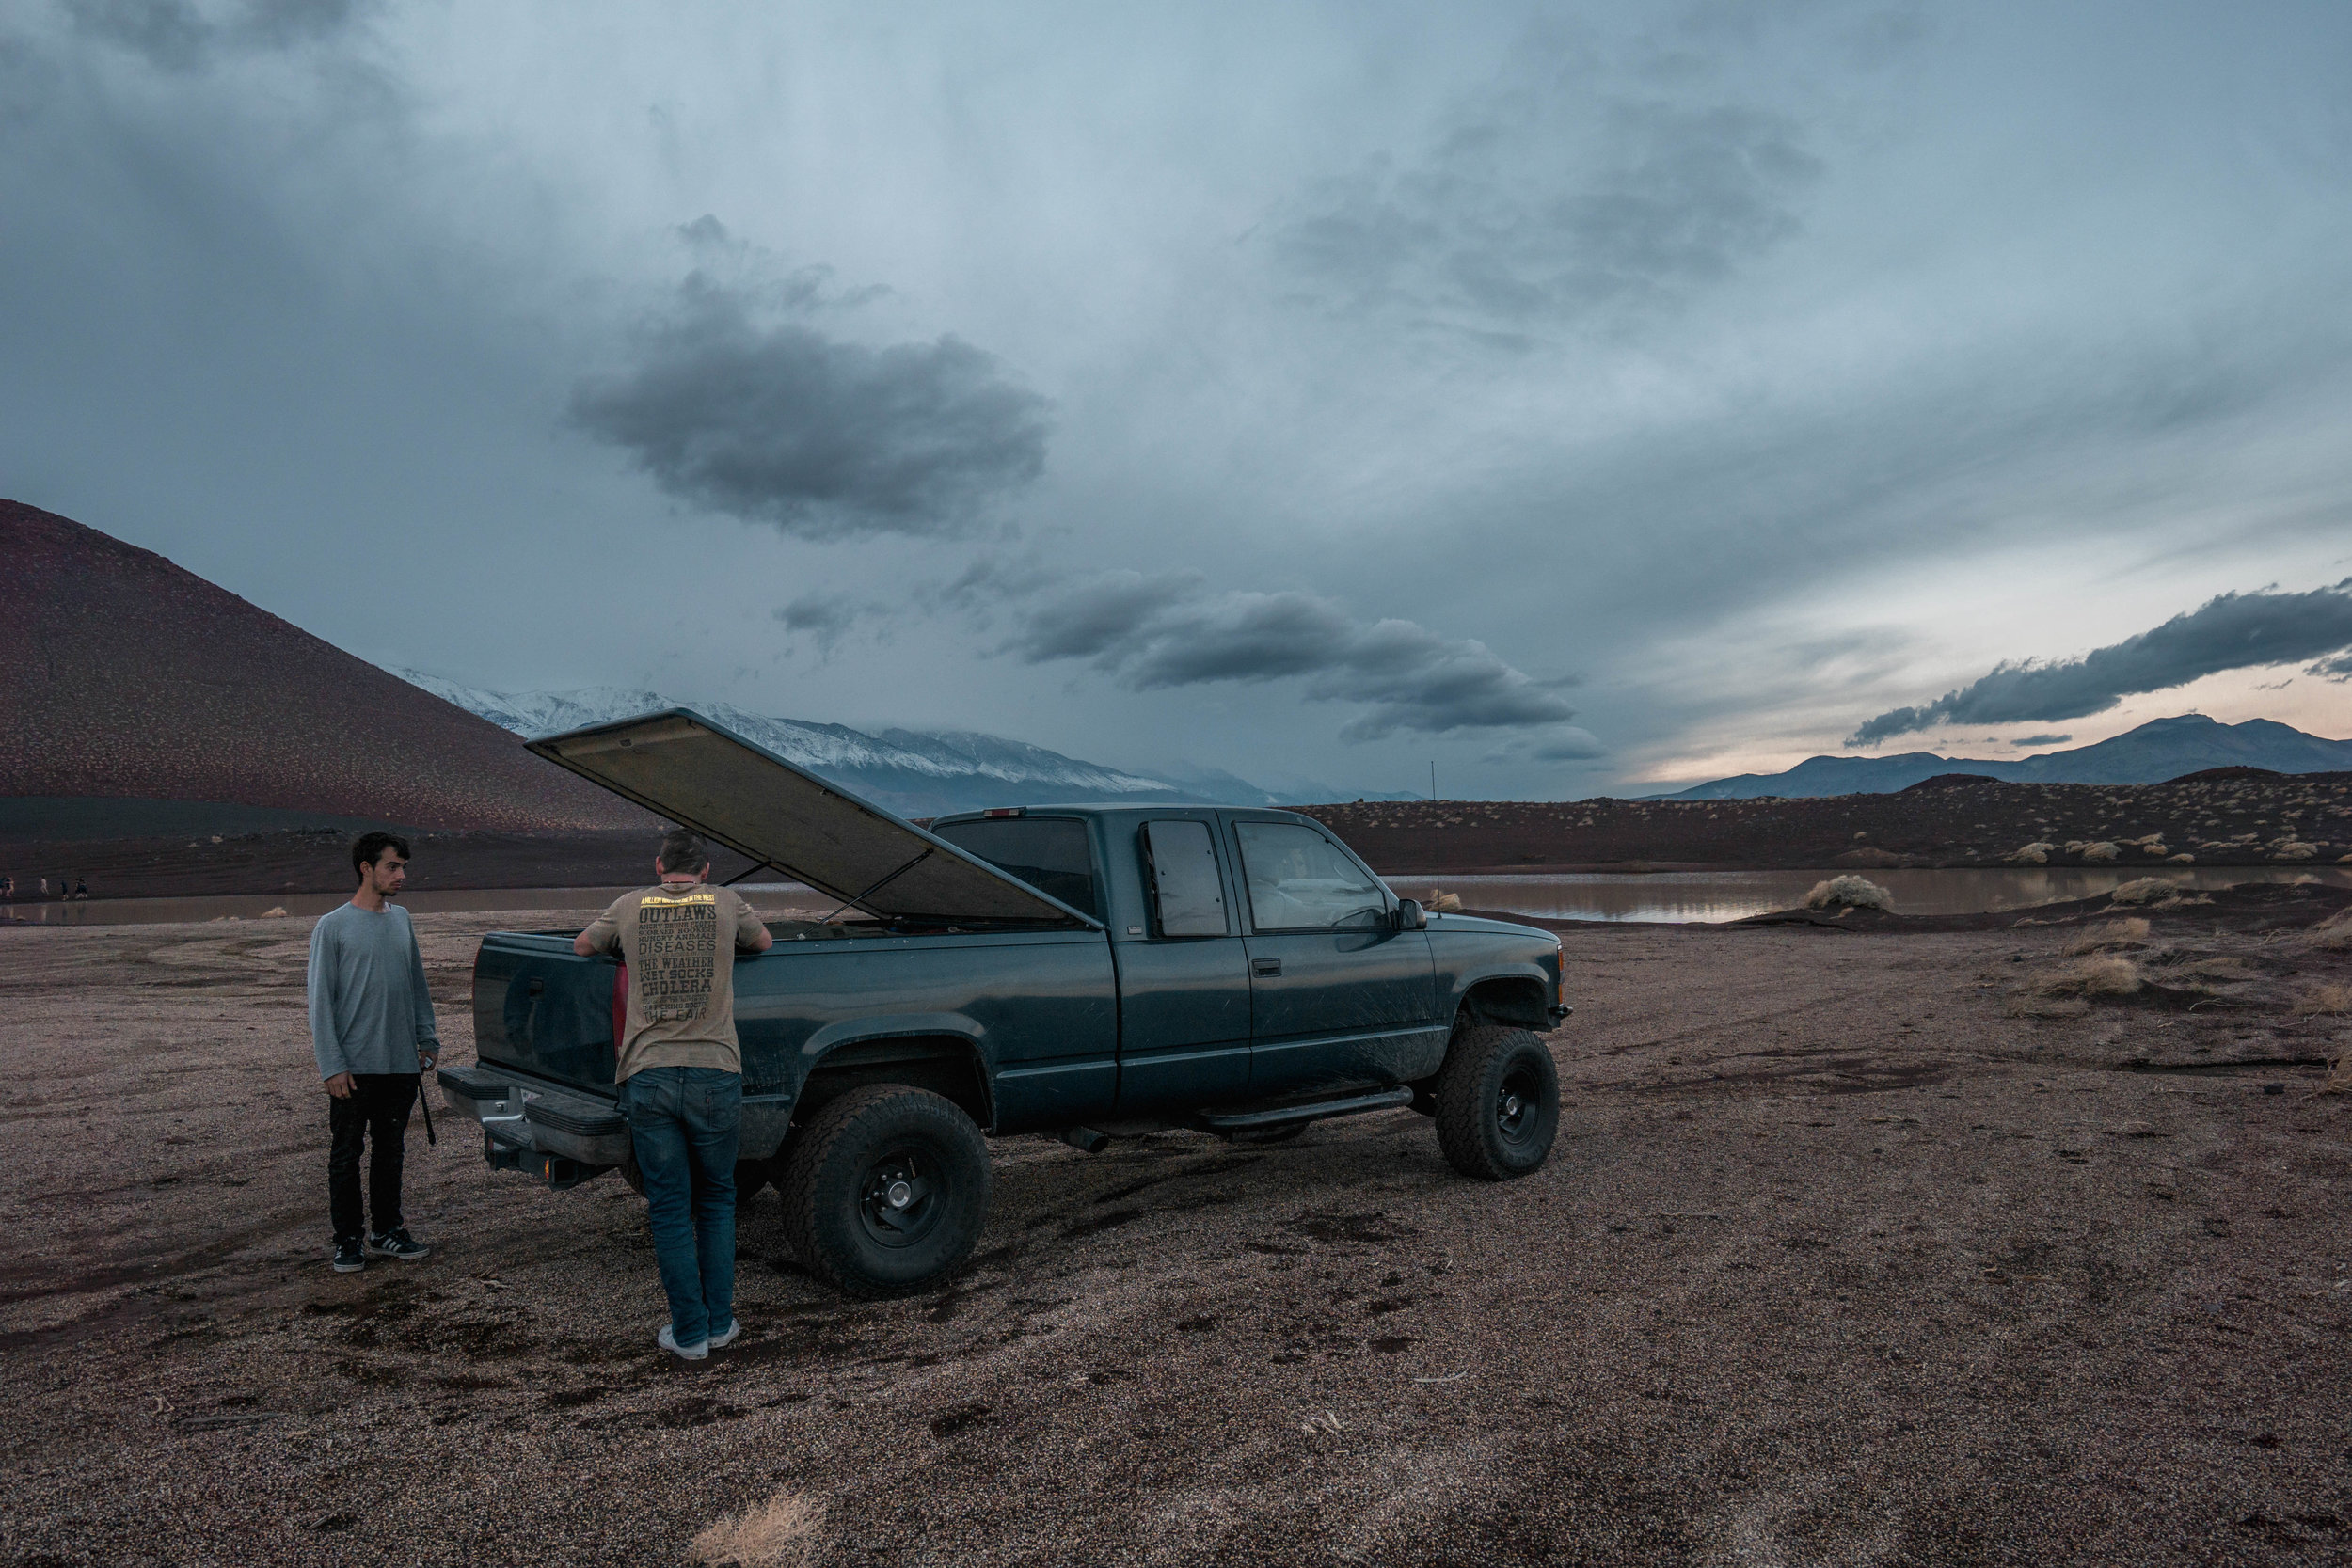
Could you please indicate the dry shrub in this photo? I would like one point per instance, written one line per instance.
(2113, 934)
(2334, 932)
(2331, 998)
(2148, 890)
(2106, 977)
(780, 1531)
(1443, 903)
(1848, 893)
(2034, 854)
(2339, 1079)
(2101, 851)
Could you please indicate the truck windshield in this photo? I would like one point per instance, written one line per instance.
(1053, 854)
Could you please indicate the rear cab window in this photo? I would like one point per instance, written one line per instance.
(1053, 854)
(1186, 894)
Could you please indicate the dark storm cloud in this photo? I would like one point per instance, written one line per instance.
(1519, 218)
(1572, 746)
(1101, 617)
(2042, 740)
(2237, 631)
(1564, 744)
(825, 439)
(824, 616)
(1165, 631)
(177, 35)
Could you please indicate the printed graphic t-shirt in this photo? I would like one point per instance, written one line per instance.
(679, 945)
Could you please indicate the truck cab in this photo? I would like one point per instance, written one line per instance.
(1084, 971)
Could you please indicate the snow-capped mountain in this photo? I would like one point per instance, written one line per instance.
(915, 773)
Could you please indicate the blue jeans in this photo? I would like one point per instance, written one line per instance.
(683, 1124)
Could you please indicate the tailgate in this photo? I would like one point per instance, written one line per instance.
(541, 1009)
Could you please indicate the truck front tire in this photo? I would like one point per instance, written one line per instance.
(1497, 1103)
(884, 1190)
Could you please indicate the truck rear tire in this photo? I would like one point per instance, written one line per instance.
(1497, 1103)
(885, 1190)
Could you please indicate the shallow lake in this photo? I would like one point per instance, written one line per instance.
(1691, 896)
(1658, 895)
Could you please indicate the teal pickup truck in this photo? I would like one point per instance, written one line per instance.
(1081, 971)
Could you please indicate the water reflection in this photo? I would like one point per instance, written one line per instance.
(1692, 895)
(1657, 895)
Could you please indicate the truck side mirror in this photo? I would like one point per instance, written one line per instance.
(1409, 916)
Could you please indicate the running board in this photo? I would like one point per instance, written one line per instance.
(1287, 1116)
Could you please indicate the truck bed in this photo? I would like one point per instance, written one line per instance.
(1041, 1006)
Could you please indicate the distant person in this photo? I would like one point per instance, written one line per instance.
(45, 887)
(681, 1073)
(81, 888)
(372, 1028)
(7, 889)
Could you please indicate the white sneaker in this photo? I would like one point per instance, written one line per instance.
(720, 1341)
(684, 1353)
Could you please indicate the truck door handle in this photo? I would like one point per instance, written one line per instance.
(1265, 966)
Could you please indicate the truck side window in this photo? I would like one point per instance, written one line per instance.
(1053, 854)
(1300, 880)
(1187, 898)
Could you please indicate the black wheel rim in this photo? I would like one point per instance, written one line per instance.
(901, 1198)
(1519, 1104)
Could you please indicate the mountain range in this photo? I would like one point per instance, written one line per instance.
(2160, 750)
(914, 772)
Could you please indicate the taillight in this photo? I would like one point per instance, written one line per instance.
(1006, 811)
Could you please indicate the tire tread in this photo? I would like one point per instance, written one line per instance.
(1461, 1105)
(805, 1159)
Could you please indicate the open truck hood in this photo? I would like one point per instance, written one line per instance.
(702, 775)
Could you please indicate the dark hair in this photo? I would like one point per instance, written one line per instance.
(682, 851)
(370, 848)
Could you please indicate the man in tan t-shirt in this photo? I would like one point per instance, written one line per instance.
(680, 1075)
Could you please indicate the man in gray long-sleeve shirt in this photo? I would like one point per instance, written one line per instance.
(371, 1027)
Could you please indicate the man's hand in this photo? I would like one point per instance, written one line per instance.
(340, 1085)
(425, 1060)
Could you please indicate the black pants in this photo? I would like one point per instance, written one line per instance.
(377, 1113)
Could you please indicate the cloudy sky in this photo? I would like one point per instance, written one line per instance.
(1573, 395)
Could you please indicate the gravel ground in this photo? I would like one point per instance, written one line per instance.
(1851, 1252)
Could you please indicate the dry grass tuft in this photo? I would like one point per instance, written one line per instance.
(2113, 934)
(780, 1531)
(2339, 1079)
(2331, 998)
(2148, 890)
(2333, 932)
(1848, 893)
(2107, 977)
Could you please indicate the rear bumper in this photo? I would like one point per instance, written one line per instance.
(522, 1120)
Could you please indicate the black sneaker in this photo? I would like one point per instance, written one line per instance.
(400, 1244)
(348, 1257)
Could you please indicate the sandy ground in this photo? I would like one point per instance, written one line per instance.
(1853, 1251)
